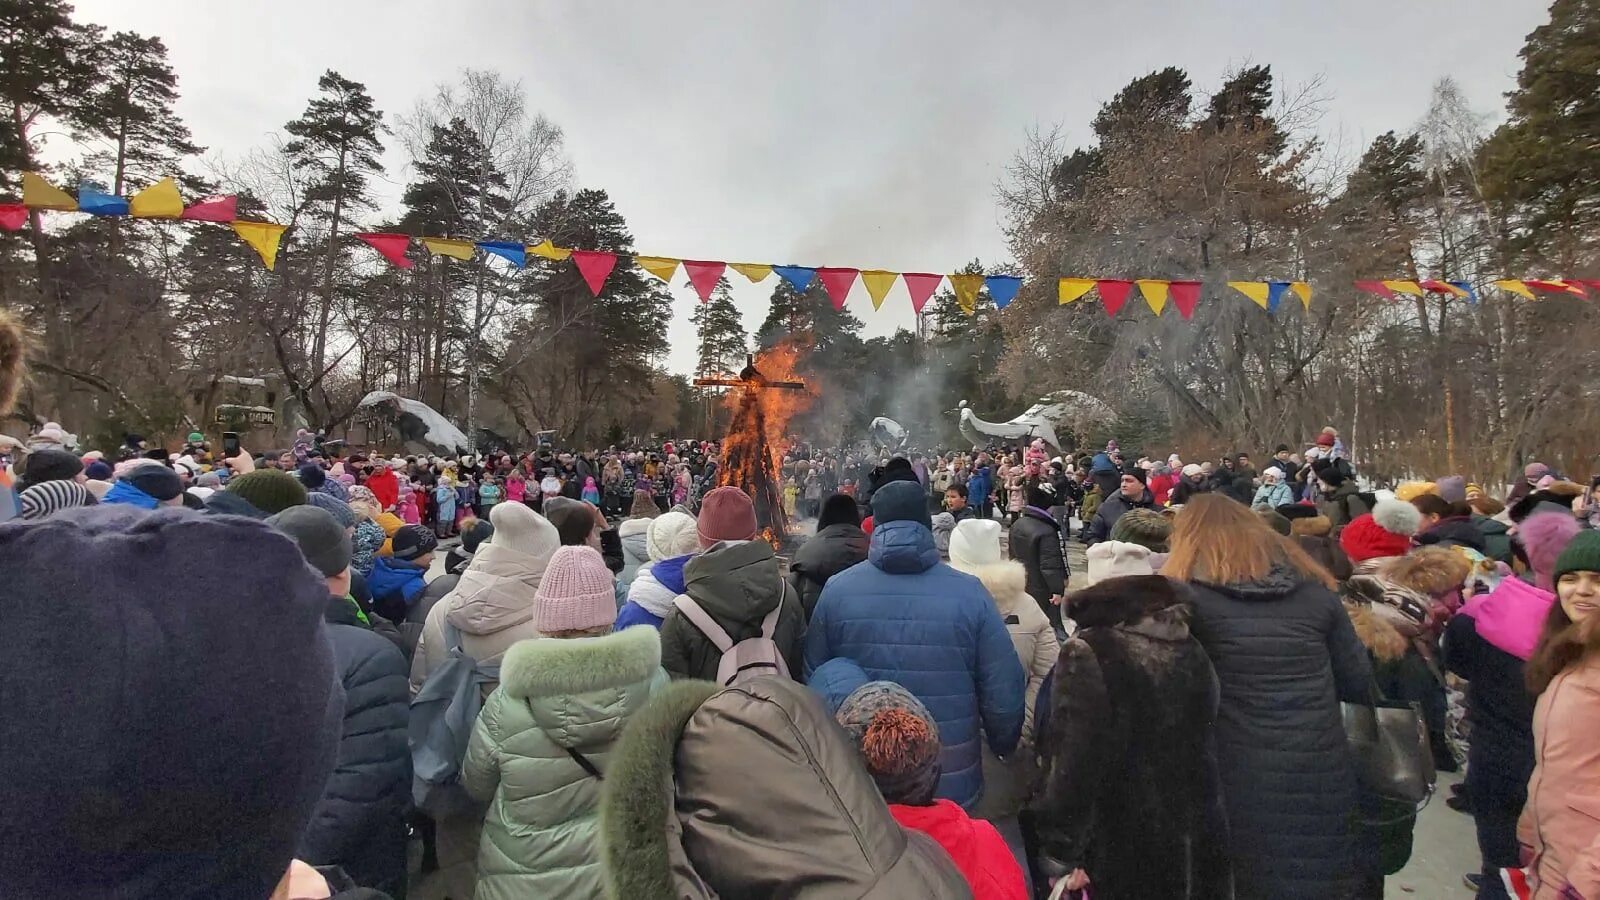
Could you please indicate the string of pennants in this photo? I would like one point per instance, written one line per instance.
(162, 200)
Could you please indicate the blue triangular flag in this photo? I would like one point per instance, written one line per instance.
(798, 276)
(1275, 291)
(510, 251)
(1002, 289)
(97, 202)
(1472, 295)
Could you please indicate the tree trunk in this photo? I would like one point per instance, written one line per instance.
(320, 346)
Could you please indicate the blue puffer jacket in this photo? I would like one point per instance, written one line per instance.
(906, 617)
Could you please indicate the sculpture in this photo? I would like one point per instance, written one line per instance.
(420, 426)
(1072, 412)
(888, 434)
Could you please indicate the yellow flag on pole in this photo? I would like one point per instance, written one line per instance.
(1255, 290)
(40, 194)
(263, 236)
(1404, 287)
(967, 291)
(1155, 293)
(753, 271)
(1514, 286)
(548, 250)
(662, 267)
(1070, 289)
(1302, 290)
(449, 247)
(878, 283)
(158, 201)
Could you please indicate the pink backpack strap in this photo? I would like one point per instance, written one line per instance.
(703, 621)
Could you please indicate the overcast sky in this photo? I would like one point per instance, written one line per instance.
(865, 134)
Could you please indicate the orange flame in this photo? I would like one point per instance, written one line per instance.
(752, 452)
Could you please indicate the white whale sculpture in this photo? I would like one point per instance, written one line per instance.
(1071, 411)
(887, 433)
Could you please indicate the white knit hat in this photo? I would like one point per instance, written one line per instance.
(519, 529)
(974, 543)
(1115, 559)
(671, 535)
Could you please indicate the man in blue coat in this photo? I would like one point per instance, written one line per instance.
(906, 617)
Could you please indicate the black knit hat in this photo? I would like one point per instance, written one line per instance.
(1328, 472)
(839, 509)
(159, 482)
(475, 534)
(1292, 511)
(412, 541)
(50, 464)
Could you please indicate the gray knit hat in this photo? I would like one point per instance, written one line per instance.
(897, 737)
(322, 540)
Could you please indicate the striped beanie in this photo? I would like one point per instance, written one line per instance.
(48, 497)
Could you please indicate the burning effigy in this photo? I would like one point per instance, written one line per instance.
(763, 397)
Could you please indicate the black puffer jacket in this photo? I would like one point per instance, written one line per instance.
(826, 554)
(359, 824)
(1285, 655)
(1035, 541)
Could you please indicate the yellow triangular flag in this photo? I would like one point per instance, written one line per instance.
(753, 271)
(449, 247)
(1404, 287)
(1070, 289)
(1155, 293)
(1255, 290)
(1303, 291)
(662, 267)
(40, 194)
(264, 237)
(878, 283)
(158, 201)
(967, 291)
(548, 250)
(1515, 287)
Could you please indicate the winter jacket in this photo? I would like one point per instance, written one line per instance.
(1344, 505)
(365, 544)
(1487, 644)
(906, 617)
(1111, 509)
(1496, 538)
(492, 606)
(556, 697)
(1035, 542)
(635, 536)
(1454, 531)
(1273, 495)
(1561, 821)
(974, 846)
(1185, 490)
(395, 585)
(680, 820)
(737, 584)
(980, 484)
(1131, 789)
(386, 487)
(360, 821)
(124, 492)
(830, 551)
(1090, 507)
(1285, 655)
(652, 592)
(1160, 488)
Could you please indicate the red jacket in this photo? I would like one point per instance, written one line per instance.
(385, 487)
(977, 848)
(1161, 487)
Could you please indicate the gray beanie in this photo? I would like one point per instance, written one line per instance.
(321, 538)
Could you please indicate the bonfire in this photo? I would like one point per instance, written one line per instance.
(765, 396)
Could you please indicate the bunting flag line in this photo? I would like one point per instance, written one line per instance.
(213, 209)
(1003, 289)
(263, 237)
(1465, 287)
(1275, 291)
(1515, 287)
(391, 246)
(662, 267)
(1441, 287)
(98, 203)
(548, 250)
(1376, 287)
(878, 283)
(837, 282)
(1404, 287)
(595, 266)
(966, 288)
(756, 272)
(1070, 289)
(1256, 290)
(513, 252)
(158, 201)
(1185, 296)
(454, 249)
(1155, 293)
(1113, 293)
(40, 194)
(920, 285)
(704, 276)
(1556, 287)
(1302, 290)
(799, 277)
(12, 216)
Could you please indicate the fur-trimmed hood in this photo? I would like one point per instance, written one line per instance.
(1428, 570)
(1006, 582)
(1311, 526)
(553, 667)
(1382, 639)
(1130, 600)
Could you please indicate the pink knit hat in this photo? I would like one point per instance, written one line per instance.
(726, 514)
(576, 593)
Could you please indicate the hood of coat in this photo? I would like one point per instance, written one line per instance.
(658, 585)
(496, 591)
(1006, 581)
(1375, 632)
(576, 687)
(1041, 516)
(1454, 531)
(1511, 616)
(1279, 582)
(1150, 604)
(817, 828)
(735, 581)
(903, 548)
(1311, 526)
(832, 550)
(635, 537)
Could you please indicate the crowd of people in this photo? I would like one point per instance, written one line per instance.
(251, 676)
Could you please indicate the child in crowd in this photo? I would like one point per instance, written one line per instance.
(489, 493)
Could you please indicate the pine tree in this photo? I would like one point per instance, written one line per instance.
(130, 108)
(46, 65)
(810, 314)
(719, 331)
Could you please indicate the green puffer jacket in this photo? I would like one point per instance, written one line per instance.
(540, 838)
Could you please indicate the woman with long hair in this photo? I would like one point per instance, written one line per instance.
(1561, 820)
(1285, 655)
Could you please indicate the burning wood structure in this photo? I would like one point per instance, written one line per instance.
(765, 396)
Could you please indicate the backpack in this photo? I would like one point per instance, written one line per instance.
(442, 716)
(751, 657)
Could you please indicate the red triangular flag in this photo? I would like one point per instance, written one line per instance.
(12, 215)
(1433, 286)
(1185, 296)
(920, 285)
(1555, 287)
(392, 246)
(704, 276)
(1113, 293)
(1376, 287)
(595, 266)
(838, 283)
(213, 209)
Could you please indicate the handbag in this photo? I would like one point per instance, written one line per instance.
(1389, 742)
